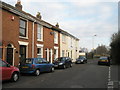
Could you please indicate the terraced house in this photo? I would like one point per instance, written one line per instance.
(69, 46)
(27, 36)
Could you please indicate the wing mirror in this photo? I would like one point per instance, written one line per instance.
(8, 65)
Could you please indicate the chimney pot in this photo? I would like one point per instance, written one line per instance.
(57, 25)
(18, 5)
(39, 15)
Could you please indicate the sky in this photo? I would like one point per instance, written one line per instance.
(92, 21)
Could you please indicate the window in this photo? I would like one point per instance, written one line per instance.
(39, 52)
(56, 37)
(63, 53)
(22, 28)
(39, 32)
(63, 38)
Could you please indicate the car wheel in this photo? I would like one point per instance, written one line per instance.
(71, 65)
(52, 69)
(15, 77)
(37, 72)
(83, 62)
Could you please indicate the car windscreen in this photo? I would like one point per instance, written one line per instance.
(81, 57)
(103, 58)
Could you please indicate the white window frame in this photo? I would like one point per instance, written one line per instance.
(63, 38)
(40, 46)
(40, 27)
(55, 37)
(26, 28)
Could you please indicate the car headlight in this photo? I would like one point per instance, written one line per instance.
(60, 63)
(81, 60)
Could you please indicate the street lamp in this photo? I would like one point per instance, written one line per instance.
(93, 44)
(93, 41)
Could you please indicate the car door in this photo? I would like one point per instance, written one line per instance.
(46, 65)
(42, 64)
(6, 71)
(67, 61)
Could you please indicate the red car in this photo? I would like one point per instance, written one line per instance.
(8, 72)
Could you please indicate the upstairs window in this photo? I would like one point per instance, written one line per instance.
(55, 37)
(23, 28)
(39, 33)
(63, 38)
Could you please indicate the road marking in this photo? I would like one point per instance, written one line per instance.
(110, 83)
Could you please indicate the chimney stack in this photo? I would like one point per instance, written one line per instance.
(18, 5)
(38, 15)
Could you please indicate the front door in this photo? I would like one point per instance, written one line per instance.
(10, 55)
(22, 53)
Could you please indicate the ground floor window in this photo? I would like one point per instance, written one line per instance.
(63, 53)
(39, 52)
(71, 54)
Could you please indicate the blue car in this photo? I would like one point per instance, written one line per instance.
(35, 66)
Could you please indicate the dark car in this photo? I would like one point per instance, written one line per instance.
(8, 71)
(35, 66)
(62, 62)
(104, 61)
(81, 59)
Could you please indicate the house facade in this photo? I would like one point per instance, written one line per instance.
(69, 46)
(27, 36)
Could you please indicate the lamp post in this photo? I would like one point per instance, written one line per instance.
(93, 44)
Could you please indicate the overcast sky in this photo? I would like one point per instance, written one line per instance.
(81, 18)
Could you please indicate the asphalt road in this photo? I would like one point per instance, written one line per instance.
(88, 75)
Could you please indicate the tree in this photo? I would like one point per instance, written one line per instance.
(115, 48)
(101, 50)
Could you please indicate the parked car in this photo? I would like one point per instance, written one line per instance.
(36, 66)
(104, 61)
(81, 59)
(8, 72)
(62, 62)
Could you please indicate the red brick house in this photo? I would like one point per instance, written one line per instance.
(26, 36)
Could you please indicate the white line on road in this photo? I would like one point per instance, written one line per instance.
(110, 83)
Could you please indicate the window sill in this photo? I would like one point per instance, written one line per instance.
(39, 40)
(23, 37)
(55, 42)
